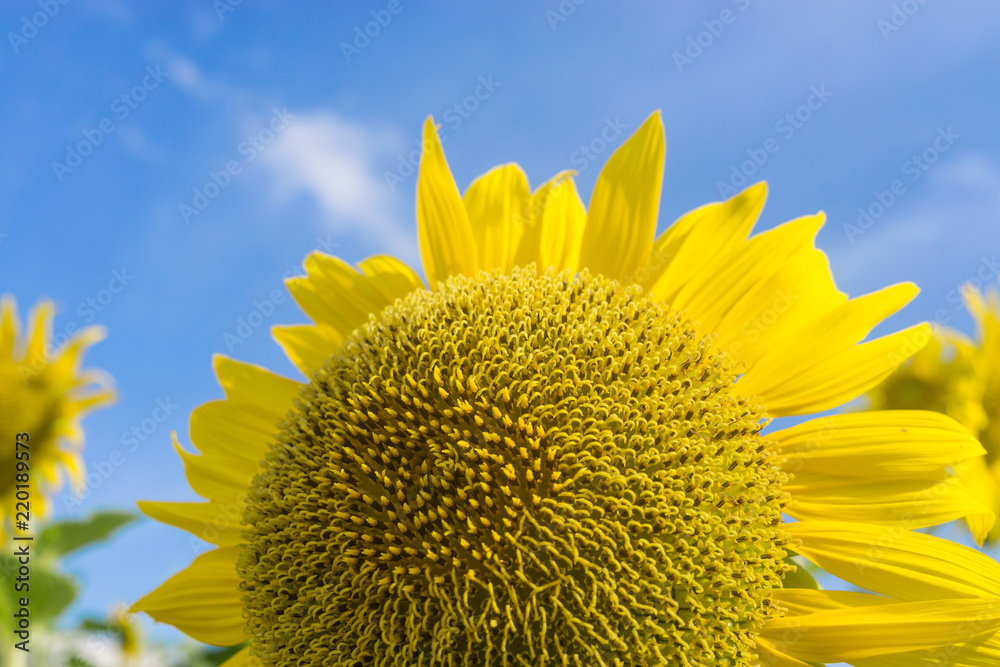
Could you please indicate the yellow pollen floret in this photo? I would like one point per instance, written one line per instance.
(584, 488)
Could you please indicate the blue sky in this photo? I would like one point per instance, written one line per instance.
(167, 165)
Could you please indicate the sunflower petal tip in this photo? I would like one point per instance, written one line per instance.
(912, 287)
(981, 525)
(430, 129)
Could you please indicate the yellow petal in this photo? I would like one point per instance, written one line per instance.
(68, 364)
(242, 425)
(770, 654)
(242, 659)
(41, 332)
(621, 220)
(850, 634)
(879, 467)
(446, 242)
(982, 651)
(896, 562)
(307, 346)
(10, 326)
(699, 247)
(907, 503)
(213, 522)
(772, 304)
(335, 294)
(202, 601)
(233, 434)
(390, 277)
(772, 287)
(841, 327)
(802, 601)
(219, 477)
(981, 482)
(340, 299)
(72, 462)
(560, 219)
(498, 204)
(836, 378)
(880, 444)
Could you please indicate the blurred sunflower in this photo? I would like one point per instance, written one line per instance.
(959, 378)
(44, 394)
(553, 455)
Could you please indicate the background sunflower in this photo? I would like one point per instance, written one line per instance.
(959, 377)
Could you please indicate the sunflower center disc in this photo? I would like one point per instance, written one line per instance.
(516, 469)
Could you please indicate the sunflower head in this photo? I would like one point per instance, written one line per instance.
(552, 453)
(44, 394)
(516, 464)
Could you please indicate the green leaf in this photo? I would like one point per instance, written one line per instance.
(49, 592)
(215, 657)
(100, 625)
(64, 537)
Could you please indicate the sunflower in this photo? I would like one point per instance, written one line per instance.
(961, 379)
(553, 453)
(43, 396)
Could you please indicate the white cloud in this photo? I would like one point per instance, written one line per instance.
(138, 144)
(975, 172)
(336, 162)
(186, 75)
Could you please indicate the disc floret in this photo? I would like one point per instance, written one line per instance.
(516, 469)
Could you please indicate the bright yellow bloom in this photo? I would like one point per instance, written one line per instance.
(44, 395)
(960, 378)
(553, 455)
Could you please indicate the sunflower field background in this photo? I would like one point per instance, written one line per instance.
(169, 166)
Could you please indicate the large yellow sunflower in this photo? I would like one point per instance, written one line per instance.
(960, 378)
(43, 394)
(552, 453)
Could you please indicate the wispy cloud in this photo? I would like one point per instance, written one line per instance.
(335, 162)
